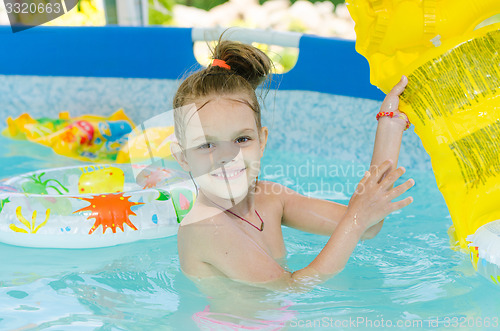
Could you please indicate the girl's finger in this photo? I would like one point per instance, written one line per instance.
(378, 171)
(362, 183)
(391, 101)
(401, 204)
(365, 177)
(399, 87)
(397, 191)
(392, 177)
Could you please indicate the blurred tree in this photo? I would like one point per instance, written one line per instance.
(335, 2)
(86, 13)
(209, 4)
(202, 4)
(160, 12)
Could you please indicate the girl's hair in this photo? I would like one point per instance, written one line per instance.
(249, 68)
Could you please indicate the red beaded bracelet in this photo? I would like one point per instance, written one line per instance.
(392, 114)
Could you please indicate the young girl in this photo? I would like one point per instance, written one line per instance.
(234, 228)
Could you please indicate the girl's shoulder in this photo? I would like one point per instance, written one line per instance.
(272, 190)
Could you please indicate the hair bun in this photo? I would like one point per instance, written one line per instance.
(245, 60)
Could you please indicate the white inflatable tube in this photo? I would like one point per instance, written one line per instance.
(92, 206)
(484, 245)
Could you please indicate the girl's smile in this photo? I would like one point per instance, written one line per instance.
(228, 173)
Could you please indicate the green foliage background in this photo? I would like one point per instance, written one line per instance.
(209, 4)
(158, 17)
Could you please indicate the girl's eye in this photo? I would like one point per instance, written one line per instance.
(243, 140)
(206, 146)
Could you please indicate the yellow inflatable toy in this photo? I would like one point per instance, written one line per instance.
(86, 138)
(452, 98)
(147, 144)
(393, 34)
(93, 138)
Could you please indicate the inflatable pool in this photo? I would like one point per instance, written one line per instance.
(92, 206)
(409, 267)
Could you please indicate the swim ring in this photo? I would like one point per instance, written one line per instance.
(92, 206)
(452, 98)
(484, 247)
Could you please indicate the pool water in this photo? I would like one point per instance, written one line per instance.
(320, 145)
(408, 274)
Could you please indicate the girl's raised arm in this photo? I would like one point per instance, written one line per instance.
(388, 138)
(321, 216)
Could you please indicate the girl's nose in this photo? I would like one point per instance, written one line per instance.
(225, 152)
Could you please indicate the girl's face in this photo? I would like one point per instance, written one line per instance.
(223, 147)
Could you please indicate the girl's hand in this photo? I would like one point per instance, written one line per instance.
(391, 101)
(372, 200)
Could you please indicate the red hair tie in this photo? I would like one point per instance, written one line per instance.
(220, 63)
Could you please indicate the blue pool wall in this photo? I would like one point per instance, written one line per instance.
(98, 70)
